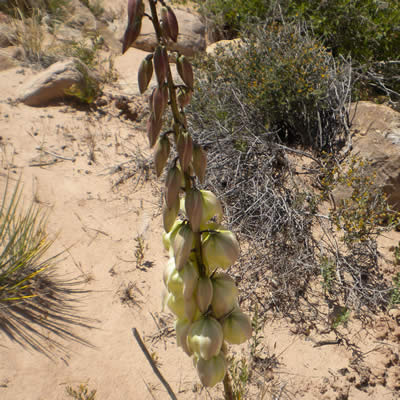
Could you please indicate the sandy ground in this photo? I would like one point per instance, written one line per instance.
(91, 172)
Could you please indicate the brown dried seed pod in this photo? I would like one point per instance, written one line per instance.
(161, 154)
(173, 24)
(199, 162)
(161, 64)
(194, 208)
(164, 22)
(172, 185)
(158, 102)
(170, 23)
(184, 97)
(153, 129)
(185, 70)
(145, 73)
(135, 15)
(185, 150)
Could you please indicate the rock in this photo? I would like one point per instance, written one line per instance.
(228, 47)
(7, 36)
(7, 62)
(81, 17)
(191, 39)
(376, 138)
(50, 84)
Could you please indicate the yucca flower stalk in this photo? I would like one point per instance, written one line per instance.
(204, 300)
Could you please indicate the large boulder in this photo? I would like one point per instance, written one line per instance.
(376, 138)
(51, 84)
(191, 39)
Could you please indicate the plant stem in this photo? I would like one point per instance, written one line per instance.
(227, 379)
(228, 387)
(178, 125)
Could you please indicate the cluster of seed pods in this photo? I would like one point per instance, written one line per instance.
(198, 292)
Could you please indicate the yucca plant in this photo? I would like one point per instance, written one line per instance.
(203, 299)
(31, 295)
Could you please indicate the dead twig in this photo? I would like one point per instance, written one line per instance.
(153, 365)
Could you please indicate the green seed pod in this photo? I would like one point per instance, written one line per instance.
(145, 73)
(199, 162)
(190, 276)
(182, 245)
(237, 327)
(211, 207)
(173, 186)
(168, 236)
(185, 70)
(220, 249)
(182, 327)
(176, 305)
(175, 283)
(194, 208)
(192, 312)
(205, 337)
(225, 294)
(170, 215)
(168, 270)
(204, 293)
(183, 282)
(161, 154)
(211, 371)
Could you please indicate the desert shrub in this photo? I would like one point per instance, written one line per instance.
(87, 52)
(369, 31)
(280, 84)
(366, 29)
(259, 120)
(29, 33)
(350, 266)
(226, 18)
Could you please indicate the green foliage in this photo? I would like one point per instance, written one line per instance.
(366, 29)
(365, 213)
(239, 371)
(55, 8)
(33, 301)
(328, 272)
(81, 393)
(87, 53)
(87, 91)
(227, 17)
(395, 292)
(23, 242)
(287, 84)
(341, 318)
